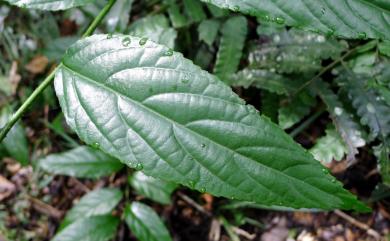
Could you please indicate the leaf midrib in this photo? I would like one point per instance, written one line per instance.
(195, 133)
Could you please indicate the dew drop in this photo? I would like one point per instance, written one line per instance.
(323, 10)
(279, 20)
(191, 184)
(95, 145)
(143, 41)
(203, 145)
(202, 190)
(362, 35)
(139, 166)
(169, 52)
(324, 170)
(338, 111)
(126, 41)
(267, 18)
(370, 108)
(236, 8)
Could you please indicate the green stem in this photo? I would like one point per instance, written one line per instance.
(306, 123)
(47, 81)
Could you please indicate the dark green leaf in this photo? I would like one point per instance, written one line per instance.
(81, 162)
(350, 19)
(97, 202)
(155, 189)
(295, 109)
(145, 224)
(95, 228)
(382, 153)
(55, 49)
(194, 10)
(155, 110)
(234, 32)
(15, 142)
(178, 20)
(52, 5)
(208, 30)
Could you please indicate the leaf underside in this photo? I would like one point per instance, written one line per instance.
(349, 18)
(155, 110)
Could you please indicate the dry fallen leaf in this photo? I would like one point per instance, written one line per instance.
(6, 188)
(38, 64)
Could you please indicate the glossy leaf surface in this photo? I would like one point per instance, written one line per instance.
(145, 224)
(81, 162)
(349, 18)
(96, 228)
(97, 202)
(156, 111)
(155, 189)
(51, 5)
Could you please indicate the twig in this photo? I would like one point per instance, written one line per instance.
(358, 224)
(45, 208)
(190, 201)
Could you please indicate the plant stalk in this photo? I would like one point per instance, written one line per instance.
(48, 80)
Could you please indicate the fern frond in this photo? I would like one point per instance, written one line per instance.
(234, 32)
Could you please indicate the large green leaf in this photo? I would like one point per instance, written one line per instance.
(155, 110)
(51, 5)
(348, 18)
(145, 224)
(15, 143)
(208, 30)
(95, 228)
(155, 189)
(98, 202)
(81, 162)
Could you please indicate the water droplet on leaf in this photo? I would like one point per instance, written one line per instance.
(203, 145)
(169, 52)
(191, 184)
(95, 145)
(143, 41)
(279, 20)
(126, 41)
(362, 35)
(236, 8)
(203, 190)
(139, 166)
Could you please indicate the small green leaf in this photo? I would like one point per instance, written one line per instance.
(329, 147)
(55, 49)
(382, 153)
(15, 142)
(294, 51)
(349, 130)
(156, 111)
(95, 228)
(295, 109)
(194, 10)
(370, 107)
(178, 20)
(155, 189)
(145, 224)
(97, 202)
(384, 48)
(119, 15)
(155, 28)
(81, 162)
(351, 19)
(264, 79)
(234, 32)
(208, 30)
(51, 5)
